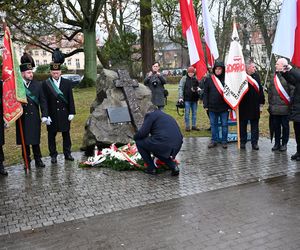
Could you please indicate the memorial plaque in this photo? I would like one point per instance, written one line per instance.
(118, 115)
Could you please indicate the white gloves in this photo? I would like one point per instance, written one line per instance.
(70, 118)
(48, 122)
(44, 119)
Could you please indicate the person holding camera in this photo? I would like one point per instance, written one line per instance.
(188, 92)
(155, 81)
(292, 76)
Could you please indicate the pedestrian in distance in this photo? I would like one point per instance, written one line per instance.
(188, 92)
(155, 81)
(61, 110)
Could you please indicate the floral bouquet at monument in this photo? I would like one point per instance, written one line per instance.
(123, 158)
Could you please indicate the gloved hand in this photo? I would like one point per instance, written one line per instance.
(44, 119)
(70, 118)
(48, 122)
(6, 125)
(180, 100)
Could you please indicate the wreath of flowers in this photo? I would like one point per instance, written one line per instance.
(123, 158)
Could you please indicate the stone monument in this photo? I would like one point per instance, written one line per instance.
(118, 110)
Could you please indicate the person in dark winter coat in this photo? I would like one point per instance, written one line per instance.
(2, 169)
(279, 93)
(161, 136)
(30, 119)
(250, 107)
(155, 81)
(214, 102)
(188, 92)
(61, 108)
(292, 76)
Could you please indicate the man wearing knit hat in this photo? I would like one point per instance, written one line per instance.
(188, 92)
(31, 120)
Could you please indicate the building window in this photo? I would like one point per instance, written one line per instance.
(44, 53)
(263, 60)
(77, 63)
(263, 48)
(36, 52)
(69, 61)
(45, 61)
(37, 62)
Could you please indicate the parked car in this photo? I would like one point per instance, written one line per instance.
(74, 78)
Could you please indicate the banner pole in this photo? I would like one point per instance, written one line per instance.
(268, 70)
(238, 127)
(23, 144)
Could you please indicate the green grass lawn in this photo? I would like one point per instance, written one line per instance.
(83, 100)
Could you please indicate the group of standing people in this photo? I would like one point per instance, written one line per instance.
(50, 102)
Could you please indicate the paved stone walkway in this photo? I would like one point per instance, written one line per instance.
(62, 196)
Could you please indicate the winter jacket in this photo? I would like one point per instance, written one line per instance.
(187, 89)
(293, 77)
(212, 99)
(156, 84)
(276, 105)
(249, 107)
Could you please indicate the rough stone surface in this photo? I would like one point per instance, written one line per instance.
(98, 129)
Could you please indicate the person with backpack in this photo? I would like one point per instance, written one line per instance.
(188, 92)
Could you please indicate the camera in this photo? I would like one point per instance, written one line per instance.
(154, 80)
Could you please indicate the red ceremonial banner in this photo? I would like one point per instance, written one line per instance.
(12, 108)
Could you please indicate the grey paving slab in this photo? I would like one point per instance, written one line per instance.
(65, 193)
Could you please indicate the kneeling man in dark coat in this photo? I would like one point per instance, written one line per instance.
(161, 136)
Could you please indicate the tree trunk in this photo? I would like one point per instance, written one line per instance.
(90, 51)
(147, 43)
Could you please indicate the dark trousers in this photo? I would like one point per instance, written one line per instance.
(254, 131)
(146, 155)
(66, 143)
(297, 135)
(1, 155)
(281, 122)
(36, 152)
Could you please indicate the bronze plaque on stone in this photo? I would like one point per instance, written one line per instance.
(118, 115)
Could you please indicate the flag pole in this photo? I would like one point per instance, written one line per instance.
(268, 70)
(23, 144)
(237, 111)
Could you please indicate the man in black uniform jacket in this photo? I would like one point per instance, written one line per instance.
(61, 108)
(2, 170)
(164, 142)
(31, 120)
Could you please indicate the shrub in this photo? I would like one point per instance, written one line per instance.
(86, 82)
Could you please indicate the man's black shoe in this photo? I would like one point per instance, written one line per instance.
(276, 147)
(69, 157)
(283, 148)
(39, 163)
(175, 171)
(3, 171)
(255, 147)
(150, 171)
(53, 160)
(295, 156)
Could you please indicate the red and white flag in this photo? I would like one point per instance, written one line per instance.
(287, 38)
(191, 32)
(236, 85)
(209, 36)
